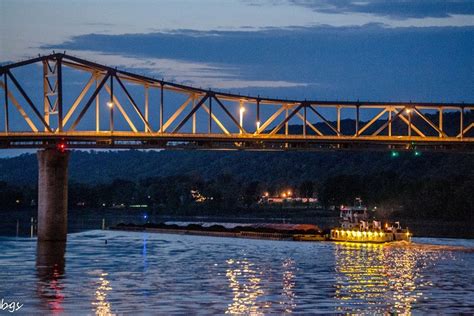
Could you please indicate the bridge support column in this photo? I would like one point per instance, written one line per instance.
(52, 194)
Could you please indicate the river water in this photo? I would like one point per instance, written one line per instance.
(113, 272)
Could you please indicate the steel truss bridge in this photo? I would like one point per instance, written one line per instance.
(231, 121)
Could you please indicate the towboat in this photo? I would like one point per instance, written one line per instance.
(356, 227)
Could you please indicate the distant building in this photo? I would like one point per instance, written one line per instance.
(265, 199)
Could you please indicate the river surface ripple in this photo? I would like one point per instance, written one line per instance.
(147, 273)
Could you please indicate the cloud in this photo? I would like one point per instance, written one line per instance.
(398, 9)
(205, 75)
(72, 18)
(367, 62)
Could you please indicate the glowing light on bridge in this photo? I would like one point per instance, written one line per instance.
(241, 111)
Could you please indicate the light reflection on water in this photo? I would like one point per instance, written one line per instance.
(50, 265)
(101, 305)
(380, 278)
(246, 287)
(178, 274)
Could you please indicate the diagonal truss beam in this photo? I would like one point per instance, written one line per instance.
(324, 120)
(287, 118)
(270, 119)
(176, 113)
(466, 130)
(215, 119)
(241, 128)
(20, 109)
(119, 106)
(134, 104)
(28, 100)
(194, 109)
(413, 127)
(372, 121)
(317, 131)
(440, 132)
(89, 102)
(78, 99)
(389, 122)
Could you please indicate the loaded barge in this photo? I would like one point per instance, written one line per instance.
(350, 231)
(297, 232)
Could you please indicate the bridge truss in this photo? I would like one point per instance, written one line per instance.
(115, 109)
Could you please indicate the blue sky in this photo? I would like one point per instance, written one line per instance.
(324, 49)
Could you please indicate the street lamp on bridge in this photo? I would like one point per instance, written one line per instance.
(242, 110)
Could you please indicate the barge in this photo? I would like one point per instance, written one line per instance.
(355, 226)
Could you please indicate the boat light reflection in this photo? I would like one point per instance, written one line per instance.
(102, 306)
(381, 277)
(245, 283)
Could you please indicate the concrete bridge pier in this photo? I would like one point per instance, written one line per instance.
(52, 194)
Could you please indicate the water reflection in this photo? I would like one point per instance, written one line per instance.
(245, 283)
(50, 265)
(288, 302)
(180, 275)
(101, 305)
(379, 278)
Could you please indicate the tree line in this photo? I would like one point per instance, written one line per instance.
(423, 197)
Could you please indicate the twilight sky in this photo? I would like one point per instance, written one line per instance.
(324, 49)
(401, 50)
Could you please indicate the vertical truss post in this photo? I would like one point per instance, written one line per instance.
(304, 120)
(357, 119)
(210, 114)
(194, 114)
(97, 105)
(46, 92)
(258, 114)
(409, 122)
(60, 94)
(5, 89)
(161, 106)
(52, 92)
(440, 110)
(241, 117)
(111, 104)
(146, 108)
(390, 109)
(338, 120)
(286, 125)
(461, 123)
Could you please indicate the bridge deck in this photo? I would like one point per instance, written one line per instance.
(120, 139)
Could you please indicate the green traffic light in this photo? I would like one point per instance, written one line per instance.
(395, 154)
(417, 153)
